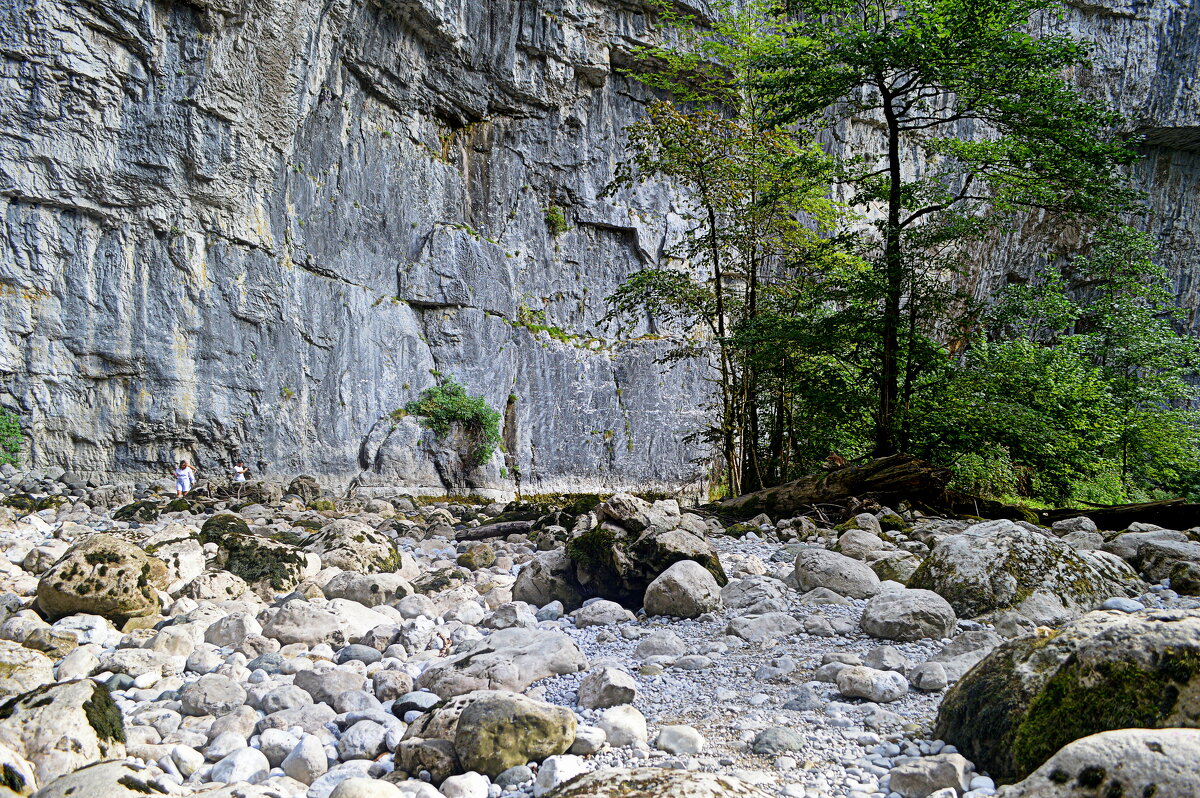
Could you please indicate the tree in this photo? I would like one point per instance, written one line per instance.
(754, 206)
(992, 124)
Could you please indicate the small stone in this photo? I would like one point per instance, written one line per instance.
(776, 740)
(245, 764)
(607, 687)
(858, 681)
(623, 726)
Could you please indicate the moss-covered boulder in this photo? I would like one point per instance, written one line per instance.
(478, 555)
(1106, 670)
(266, 566)
(1000, 565)
(632, 544)
(354, 546)
(222, 524)
(499, 730)
(62, 727)
(103, 575)
(143, 512)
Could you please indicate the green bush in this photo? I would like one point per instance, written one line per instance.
(988, 472)
(10, 438)
(447, 404)
(556, 220)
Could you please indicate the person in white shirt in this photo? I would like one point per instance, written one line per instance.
(239, 472)
(185, 477)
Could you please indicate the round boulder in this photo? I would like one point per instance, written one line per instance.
(686, 590)
(908, 615)
(102, 575)
(500, 730)
(817, 567)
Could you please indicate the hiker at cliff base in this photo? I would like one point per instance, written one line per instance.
(185, 477)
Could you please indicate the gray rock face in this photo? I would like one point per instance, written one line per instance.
(318, 205)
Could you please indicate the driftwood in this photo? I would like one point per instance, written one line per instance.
(886, 479)
(1171, 513)
(500, 530)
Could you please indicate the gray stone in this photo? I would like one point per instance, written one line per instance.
(679, 740)
(921, 777)
(607, 687)
(306, 762)
(759, 628)
(212, 695)
(686, 590)
(245, 764)
(928, 676)
(908, 615)
(654, 782)
(777, 740)
(623, 726)
(601, 613)
(511, 659)
(817, 567)
(882, 687)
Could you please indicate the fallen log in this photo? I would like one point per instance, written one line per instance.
(886, 479)
(1171, 513)
(500, 530)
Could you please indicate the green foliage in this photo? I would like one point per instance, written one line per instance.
(322, 505)
(10, 438)
(556, 220)
(929, 73)
(445, 405)
(988, 472)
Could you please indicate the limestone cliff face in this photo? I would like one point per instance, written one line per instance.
(253, 228)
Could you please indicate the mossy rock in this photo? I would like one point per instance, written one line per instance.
(1031, 696)
(22, 502)
(615, 564)
(143, 512)
(480, 555)
(264, 564)
(354, 546)
(311, 524)
(222, 525)
(179, 505)
(893, 522)
(740, 530)
(439, 580)
(102, 575)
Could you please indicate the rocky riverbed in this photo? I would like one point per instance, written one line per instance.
(296, 644)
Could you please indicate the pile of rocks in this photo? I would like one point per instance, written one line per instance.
(364, 650)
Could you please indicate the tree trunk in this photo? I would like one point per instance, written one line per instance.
(893, 265)
(893, 478)
(502, 529)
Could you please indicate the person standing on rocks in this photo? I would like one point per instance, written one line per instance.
(185, 477)
(239, 476)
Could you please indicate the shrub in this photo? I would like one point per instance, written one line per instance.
(447, 404)
(987, 472)
(10, 438)
(556, 220)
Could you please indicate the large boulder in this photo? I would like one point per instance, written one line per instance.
(686, 590)
(1127, 762)
(509, 659)
(354, 546)
(1000, 565)
(908, 615)
(499, 730)
(60, 728)
(22, 669)
(109, 780)
(548, 577)
(369, 590)
(102, 575)
(632, 543)
(655, 783)
(1159, 559)
(1106, 670)
(816, 567)
(306, 487)
(1126, 544)
(267, 566)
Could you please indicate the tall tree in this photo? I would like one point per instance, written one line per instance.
(976, 119)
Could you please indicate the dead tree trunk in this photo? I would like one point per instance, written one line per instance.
(892, 478)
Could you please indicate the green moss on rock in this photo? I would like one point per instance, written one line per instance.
(104, 716)
(222, 525)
